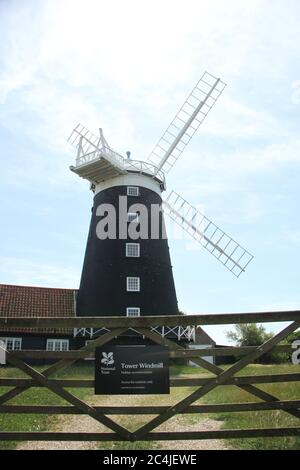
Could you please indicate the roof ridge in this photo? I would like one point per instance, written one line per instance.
(38, 287)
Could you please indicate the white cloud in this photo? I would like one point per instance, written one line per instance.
(24, 272)
(248, 210)
(89, 62)
(232, 164)
(237, 120)
(292, 236)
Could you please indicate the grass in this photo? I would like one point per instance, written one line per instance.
(260, 419)
(223, 394)
(34, 396)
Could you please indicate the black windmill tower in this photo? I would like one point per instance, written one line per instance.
(129, 275)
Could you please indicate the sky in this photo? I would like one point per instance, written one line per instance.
(127, 67)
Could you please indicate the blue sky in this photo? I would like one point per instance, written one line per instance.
(127, 67)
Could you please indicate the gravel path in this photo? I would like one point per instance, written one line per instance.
(179, 424)
(78, 423)
(86, 424)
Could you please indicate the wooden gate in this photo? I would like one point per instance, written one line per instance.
(158, 414)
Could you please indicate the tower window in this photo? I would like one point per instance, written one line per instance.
(133, 217)
(133, 191)
(133, 311)
(133, 284)
(132, 250)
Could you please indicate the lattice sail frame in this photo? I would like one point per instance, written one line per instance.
(186, 122)
(85, 141)
(230, 253)
(89, 146)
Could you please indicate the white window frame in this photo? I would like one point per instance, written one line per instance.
(2, 353)
(133, 284)
(133, 312)
(59, 342)
(16, 343)
(133, 217)
(133, 191)
(132, 250)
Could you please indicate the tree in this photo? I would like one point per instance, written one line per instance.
(251, 334)
(293, 336)
(248, 334)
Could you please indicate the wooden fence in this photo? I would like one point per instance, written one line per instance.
(158, 414)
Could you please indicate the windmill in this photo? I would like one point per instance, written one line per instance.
(125, 276)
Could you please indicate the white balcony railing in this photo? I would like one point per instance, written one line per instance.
(137, 166)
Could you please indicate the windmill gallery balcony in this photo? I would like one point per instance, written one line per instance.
(96, 161)
(180, 333)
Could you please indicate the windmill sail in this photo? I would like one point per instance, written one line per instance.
(232, 255)
(186, 122)
(84, 140)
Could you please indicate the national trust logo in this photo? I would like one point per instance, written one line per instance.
(107, 358)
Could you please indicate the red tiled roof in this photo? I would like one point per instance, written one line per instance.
(28, 301)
